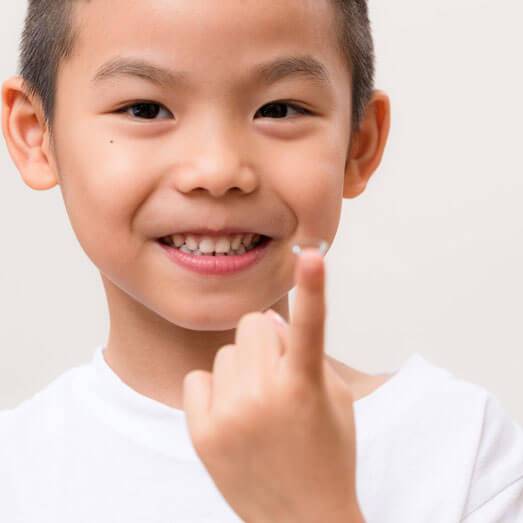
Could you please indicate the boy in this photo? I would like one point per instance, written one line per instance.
(154, 118)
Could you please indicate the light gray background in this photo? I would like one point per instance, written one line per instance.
(427, 260)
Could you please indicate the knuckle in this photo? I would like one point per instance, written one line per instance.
(225, 350)
(256, 401)
(227, 419)
(224, 353)
(216, 436)
(249, 318)
(228, 429)
(237, 419)
(298, 391)
(202, 438)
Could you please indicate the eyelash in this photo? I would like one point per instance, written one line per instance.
(298, 108)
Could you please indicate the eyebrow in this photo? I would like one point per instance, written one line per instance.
(305, 66)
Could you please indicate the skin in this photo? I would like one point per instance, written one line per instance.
(209, 159)
(273, 391)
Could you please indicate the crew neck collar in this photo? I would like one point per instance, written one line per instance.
(164, 428)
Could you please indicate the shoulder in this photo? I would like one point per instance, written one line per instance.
(498, 468)
(33, 435)
(470, 439)
(466, 405)
(448, 419)
(493, 439)
(40, 415)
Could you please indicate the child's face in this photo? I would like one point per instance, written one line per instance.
(211, 157)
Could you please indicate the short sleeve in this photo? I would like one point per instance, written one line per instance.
(496, 486)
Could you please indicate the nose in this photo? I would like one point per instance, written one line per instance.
(218, 167)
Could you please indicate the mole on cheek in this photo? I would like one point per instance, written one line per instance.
(112, 141)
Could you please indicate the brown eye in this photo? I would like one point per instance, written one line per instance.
(144, 110)
(280, 109)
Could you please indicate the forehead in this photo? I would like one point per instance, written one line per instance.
(225, 37)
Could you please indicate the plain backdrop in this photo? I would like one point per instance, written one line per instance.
(427, 260)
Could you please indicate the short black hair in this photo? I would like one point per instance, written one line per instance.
(48, 39)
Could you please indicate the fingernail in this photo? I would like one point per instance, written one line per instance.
(276, 317)
(321, 245)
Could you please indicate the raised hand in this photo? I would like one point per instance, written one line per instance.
(273, 423)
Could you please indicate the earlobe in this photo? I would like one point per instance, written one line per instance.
(368, 145)
(26, 135)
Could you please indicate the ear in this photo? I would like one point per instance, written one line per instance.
(367, 145)
(26, 135)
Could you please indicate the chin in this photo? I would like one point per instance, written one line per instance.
(210, 327)
(211, 323)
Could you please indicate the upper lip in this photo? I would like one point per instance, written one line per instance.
(202, 231)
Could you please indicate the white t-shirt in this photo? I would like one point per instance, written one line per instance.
(88, 448)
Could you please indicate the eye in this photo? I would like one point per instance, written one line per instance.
(144, 110)
(280, 109)
(150, 110)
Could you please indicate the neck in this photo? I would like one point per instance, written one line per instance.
(152, 355)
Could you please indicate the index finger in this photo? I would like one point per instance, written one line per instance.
(305, 351)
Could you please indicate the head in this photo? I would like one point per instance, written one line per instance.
(140, 153)
(49, 36)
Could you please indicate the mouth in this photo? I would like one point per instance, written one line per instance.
(215, 245)
(218, 255)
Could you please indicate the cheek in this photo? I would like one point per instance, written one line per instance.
(312, 181)
(103, 185)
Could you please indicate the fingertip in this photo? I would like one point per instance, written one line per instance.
(316, 245)
(312, 262)
(309, 271)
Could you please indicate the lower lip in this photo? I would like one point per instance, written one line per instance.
(221, 265)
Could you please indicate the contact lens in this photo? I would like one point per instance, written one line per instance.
(320, 245)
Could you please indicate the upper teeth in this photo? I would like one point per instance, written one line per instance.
(220, 244)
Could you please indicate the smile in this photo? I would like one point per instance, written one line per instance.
(219, 257)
